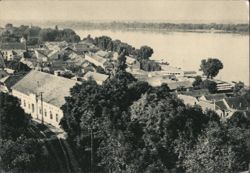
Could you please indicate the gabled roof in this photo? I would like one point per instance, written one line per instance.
(178, 84)
(215, 97)
(44, 52)
(196, 93)
(130, 60)
(54, 88)
(12, 46)
(238, 103)
(220, 105)
(96, 76)
(97, 58)
(102, 53)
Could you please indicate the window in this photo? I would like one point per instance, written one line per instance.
(24, 103)
(33, 108)
(45, 113)
(56, 117)
(40, 110)
(51, 115)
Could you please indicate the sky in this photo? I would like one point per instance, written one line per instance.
(219, 11)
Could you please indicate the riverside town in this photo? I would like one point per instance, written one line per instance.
(72, 103)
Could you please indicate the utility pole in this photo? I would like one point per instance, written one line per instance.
(91, 143)
(41, 94)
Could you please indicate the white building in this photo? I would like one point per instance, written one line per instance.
(96, 59)
(98, 77)
(42, 95)
(170, 70)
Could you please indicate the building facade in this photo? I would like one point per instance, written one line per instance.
(41, 95)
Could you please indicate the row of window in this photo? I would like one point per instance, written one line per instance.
(32, 107)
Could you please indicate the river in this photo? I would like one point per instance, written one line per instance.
(187, 49)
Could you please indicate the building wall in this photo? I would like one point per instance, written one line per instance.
(8, 55)
(33, 106)
(188, 100)
(92, 60)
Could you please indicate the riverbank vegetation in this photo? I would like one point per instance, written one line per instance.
(162, 26)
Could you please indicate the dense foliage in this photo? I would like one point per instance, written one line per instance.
(35, 35)
(211, 67)
(142, 55)
(21, 150)
(132, 127)
(204, 84)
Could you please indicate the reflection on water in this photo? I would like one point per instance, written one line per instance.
(186, 50)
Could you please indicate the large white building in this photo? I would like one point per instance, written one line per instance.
(42, 95)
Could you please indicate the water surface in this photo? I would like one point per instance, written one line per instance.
(187, 49)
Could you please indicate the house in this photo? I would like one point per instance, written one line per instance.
(188, 100)
(237, 103)
(9, 70)
(30, 62)
(103, 53)
(213, 97)
(2, 64)
(179, 85)
(56, 45)
(84, 47)
(190, 73)
(225, 107)
(42, 95)
(96, 60)
(132, 63)
(167, 69)
(222, 86)
(11, 51)
(195, 93)
(98, 77)
(3, 73)
(3, 87)
(9, 55)
(42, 55)
(76, 58)
(115, 56)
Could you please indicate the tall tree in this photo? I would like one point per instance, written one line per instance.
(211, 67)
(145, 52)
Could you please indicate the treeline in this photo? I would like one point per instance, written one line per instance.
(232, 28)
(142, 55)
(35, 35)
(132, 127)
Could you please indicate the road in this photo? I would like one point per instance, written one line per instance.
(59, 150)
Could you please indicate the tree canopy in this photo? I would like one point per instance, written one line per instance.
(211, 67)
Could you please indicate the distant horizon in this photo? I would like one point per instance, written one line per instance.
(125, 11)
(38, 22)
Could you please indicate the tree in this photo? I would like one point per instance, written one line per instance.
(23, 155)
(238, 87)
(144, 53)
(121, 62)
(149, 65)
(197, 83)
(211, 67)
(13, 120)
(210, 85)
(218, 150)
